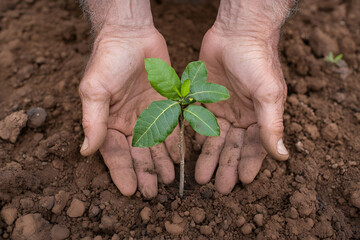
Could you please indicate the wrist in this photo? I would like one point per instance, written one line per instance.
(119, 16)
(261, 19)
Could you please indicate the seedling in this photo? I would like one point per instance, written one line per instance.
(330, 58)
(159, 120)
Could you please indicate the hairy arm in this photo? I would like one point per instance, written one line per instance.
(110, 15)
(248, 15)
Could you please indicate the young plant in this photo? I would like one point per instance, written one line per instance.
(159, 120)
(330, 58)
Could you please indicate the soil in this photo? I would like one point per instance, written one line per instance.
(47, 190)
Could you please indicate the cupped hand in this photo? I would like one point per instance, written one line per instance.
(251, 120)
(114, 91)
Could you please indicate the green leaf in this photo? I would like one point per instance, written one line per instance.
(202, 120)
(162, 77)
(177, 91)
(331, 56)
(185, 88)
(195, 71)
(338, 57)
(156, 123)
(205, 92)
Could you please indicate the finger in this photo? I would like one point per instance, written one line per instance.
(210, 153)
(200, 139)
(163, 164)
(269, 108)
(252, 155)
(172, 145)
(116, 154)
(227, 172)
(145, 171)
(95, 106)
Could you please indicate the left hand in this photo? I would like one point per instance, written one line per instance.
(114, 91)
(251, 120)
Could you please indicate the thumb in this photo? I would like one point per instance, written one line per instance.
(95, 105)
(269, 108)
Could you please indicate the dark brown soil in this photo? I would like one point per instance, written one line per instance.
(48, 189)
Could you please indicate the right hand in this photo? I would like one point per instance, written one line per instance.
(251, 120)
(114, 91)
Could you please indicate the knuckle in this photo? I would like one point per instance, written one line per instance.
(272, 93)
(83, 89)
(93, 90)
(85, 122)
(276, 125)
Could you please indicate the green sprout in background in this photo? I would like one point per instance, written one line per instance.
(330, 58)
(159, 120)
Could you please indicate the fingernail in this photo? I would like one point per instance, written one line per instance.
(85, 145)
(281, 147)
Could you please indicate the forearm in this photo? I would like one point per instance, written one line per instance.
(258, 16)
(110, 15)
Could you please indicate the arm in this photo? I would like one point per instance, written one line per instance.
(112, 15)
(236, 16)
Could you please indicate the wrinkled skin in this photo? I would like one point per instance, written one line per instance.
(251, 121)
(114, 91)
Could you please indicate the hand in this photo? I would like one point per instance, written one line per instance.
(114, 91)
(251, 120)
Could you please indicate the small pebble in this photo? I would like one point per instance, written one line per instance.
(206, 192)
(246, 229)
(59, 232)
(174, 205)
(240, 221)
(76, 209)
(299, 146)
(174, 229)
(355, 199)
(158, 230)
(9, 214)
(145, 214)
(309, 222)
(93, 210)
(294, 213)
(198, 214)
(36, 117)
(26, 203)
(259, 220)
(330, 131)
(205, 230)
(176, 218)
(162, 198)
(108, 222)
(267, 173)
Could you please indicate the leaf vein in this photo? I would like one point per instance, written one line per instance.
(198, 71)
(220, 93)
(185, 110)
(154, 122)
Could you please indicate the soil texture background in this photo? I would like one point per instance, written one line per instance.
(49, 191)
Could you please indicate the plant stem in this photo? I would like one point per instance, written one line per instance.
(182, 155)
